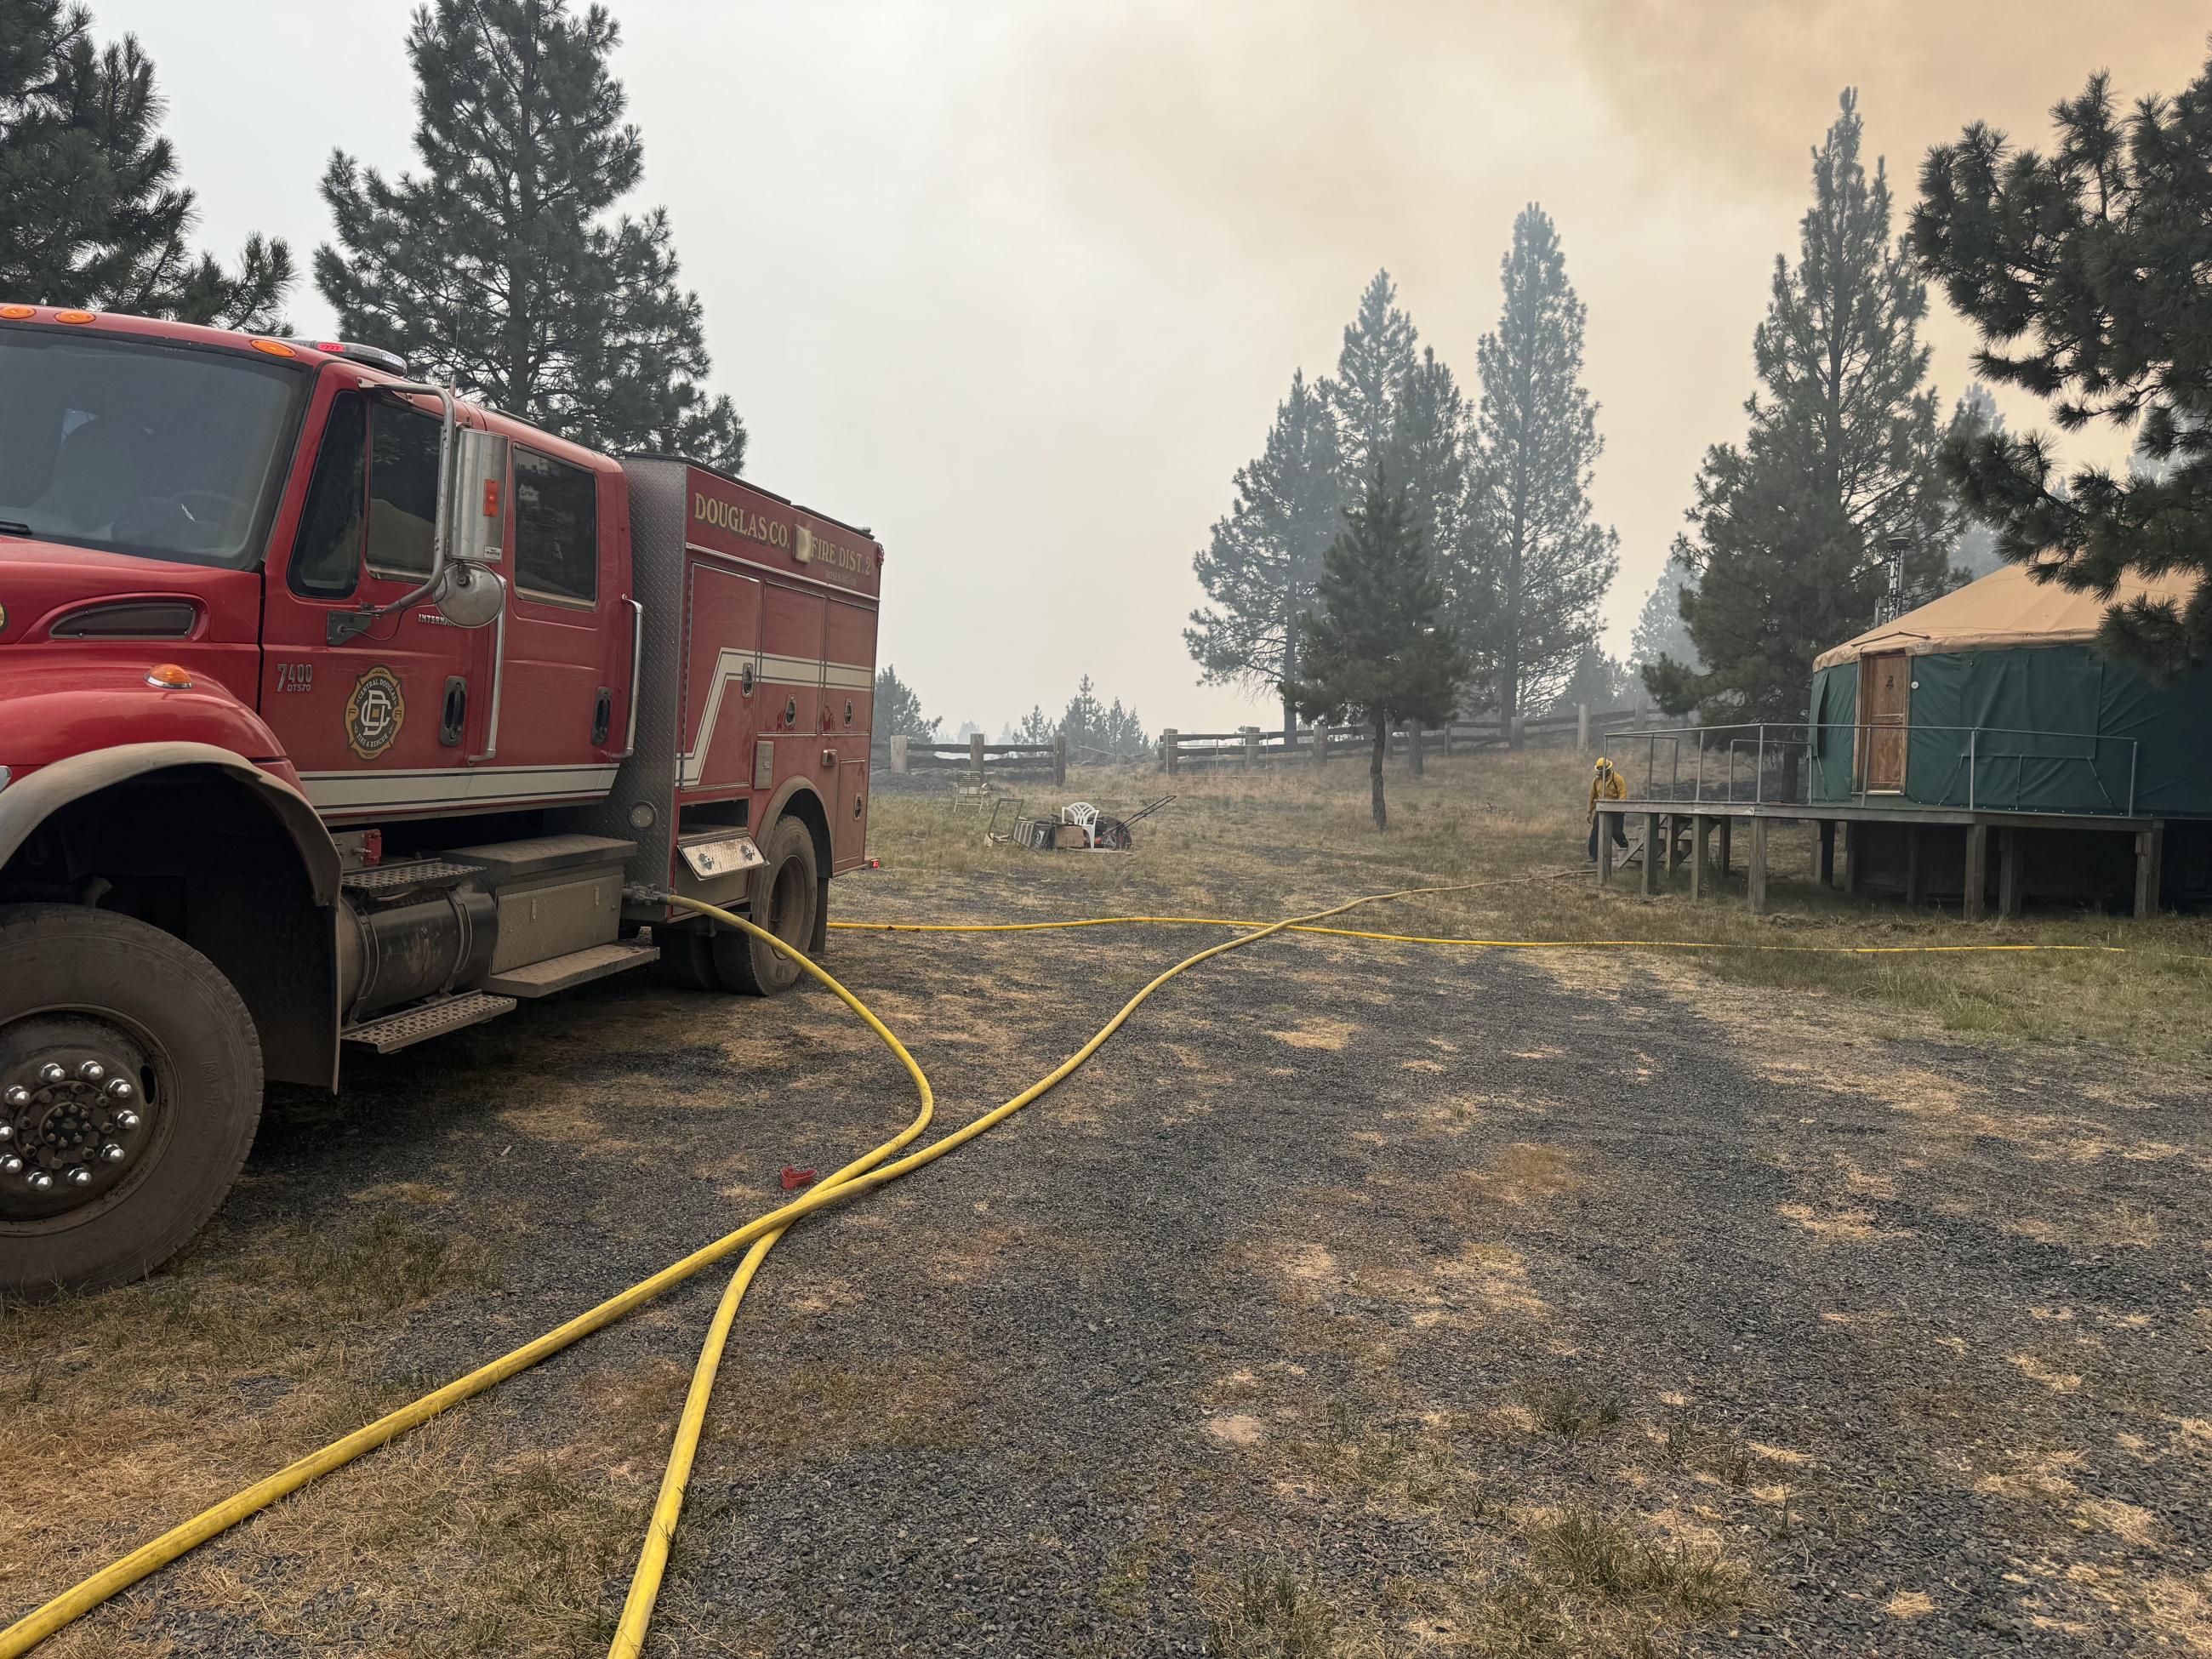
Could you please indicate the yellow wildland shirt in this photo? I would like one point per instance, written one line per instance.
(1606, 784)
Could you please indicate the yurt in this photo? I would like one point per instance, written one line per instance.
(1995, 698)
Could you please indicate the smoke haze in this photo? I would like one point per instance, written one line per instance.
(1020, 284)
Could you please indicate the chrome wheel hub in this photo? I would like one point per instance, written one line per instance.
(74, 1118)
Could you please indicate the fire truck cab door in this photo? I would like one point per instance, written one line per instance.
(564, 665)
(381, 724)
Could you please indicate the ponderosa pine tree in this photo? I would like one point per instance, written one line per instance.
(1974, 415)
(1535, 564)
(1123, 731)
(504, 264)
(91, 213)
(1427, 455)
(898, 708)
(1376, 357)
(1599, 681)
(1260, 566)
(2084, 271)
(1789, 534)
(1660, 631)
(1092, 728)
(1380, 647)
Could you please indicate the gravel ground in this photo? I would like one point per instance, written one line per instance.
(1386, 1269)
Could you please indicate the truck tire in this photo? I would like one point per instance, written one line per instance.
(129, 1093)
(787, 896)
(687, 957)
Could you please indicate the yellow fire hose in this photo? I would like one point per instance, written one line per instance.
(645, 1583)
(1494, 943)
(758, 1236)
(761, 1232)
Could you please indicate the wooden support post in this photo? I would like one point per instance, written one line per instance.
(1758, 866)
(1650, 855)
(1447, 729)
(2151, 848)
(1700, 828)
(1977, 869)
(1413, 748)
(1607, 823)
(1251, 736)
(1581, 726)
(2008, 872)
(1827, 855)
(899, 752)
(1675, 847)
(1168, 735)
(1855, 858)
(976, 755)
(1916, 864)
(1320, 741)
(1058, 759)
(1728, 845)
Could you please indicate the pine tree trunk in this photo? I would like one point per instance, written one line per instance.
(1508, 662)
(1290, 668)
(1509, 657)
(1375, 771)
(1508, 691)
(521, 298)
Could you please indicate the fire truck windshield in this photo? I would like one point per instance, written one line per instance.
(137, 447)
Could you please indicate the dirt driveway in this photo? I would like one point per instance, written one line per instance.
(1356, 1301)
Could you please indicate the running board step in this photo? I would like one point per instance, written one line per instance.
(392, 1032)
(543, 979)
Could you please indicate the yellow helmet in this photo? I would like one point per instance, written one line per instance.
(1603, 764)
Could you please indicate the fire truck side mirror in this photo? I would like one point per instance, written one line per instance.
(470, 596)
(476, 507)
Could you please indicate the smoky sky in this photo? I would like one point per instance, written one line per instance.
(1019, 285)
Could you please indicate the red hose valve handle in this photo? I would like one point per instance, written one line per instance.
(794, 1179)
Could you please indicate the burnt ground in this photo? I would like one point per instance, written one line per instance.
(1354, 1301)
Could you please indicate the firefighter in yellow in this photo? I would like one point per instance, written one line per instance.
(1605, 785)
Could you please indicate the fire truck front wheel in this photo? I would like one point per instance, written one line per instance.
(786, 890)
(129, 1091)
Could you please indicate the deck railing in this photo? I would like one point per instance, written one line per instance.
(1983, 768)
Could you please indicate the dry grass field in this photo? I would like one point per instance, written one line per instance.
(1358, 1300)
(1282, 837)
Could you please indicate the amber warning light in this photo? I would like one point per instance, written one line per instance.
(169, 677)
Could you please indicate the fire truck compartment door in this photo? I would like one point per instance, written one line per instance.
(790, 662)
(720, 672)
(849, 834)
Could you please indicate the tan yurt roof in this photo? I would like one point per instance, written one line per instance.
(2006, 607)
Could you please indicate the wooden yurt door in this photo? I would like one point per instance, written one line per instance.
(1885, 709)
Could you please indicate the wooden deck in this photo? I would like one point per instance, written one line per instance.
(1664, 823)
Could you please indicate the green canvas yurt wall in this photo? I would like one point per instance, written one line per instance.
(2055, 727)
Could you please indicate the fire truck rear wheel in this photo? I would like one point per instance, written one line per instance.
(787, 891)
(129, 1093)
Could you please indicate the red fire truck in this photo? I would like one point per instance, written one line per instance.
(337, 713)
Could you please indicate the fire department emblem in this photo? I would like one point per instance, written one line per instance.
(373, 713)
